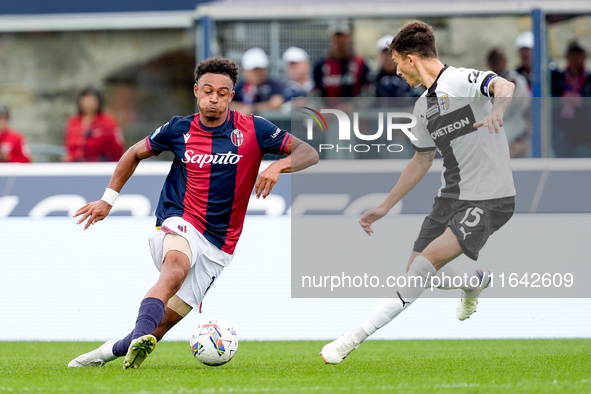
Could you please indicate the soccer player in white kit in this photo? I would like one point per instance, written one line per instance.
(456, 117)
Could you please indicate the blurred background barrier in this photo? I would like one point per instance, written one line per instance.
(331, 187)
(141, 55)
(59, 282)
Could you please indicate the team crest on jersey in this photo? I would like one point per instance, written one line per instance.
(443, 102)
(237, 137)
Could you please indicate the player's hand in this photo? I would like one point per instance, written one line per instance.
(493, 121)
(93, 211)
(371, 216)
(267, 180)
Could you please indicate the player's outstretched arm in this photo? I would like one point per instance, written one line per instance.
(503, 94)
(414, 171)
(300, 155)
(98, 210)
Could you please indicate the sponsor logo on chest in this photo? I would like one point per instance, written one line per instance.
(205, 158)
(451, 128)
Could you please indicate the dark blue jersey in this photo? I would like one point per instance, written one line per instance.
(214, 171)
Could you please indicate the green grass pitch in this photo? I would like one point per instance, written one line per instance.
(466, 366)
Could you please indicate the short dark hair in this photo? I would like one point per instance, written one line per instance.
(217, 65)
(91, 90)
(415, 37)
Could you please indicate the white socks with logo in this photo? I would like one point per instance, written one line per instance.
(418, 275)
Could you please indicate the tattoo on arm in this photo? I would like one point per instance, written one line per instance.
(503, 93)
(429, 155)
(502, 88)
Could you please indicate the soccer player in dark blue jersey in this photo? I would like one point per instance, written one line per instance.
(202, 205)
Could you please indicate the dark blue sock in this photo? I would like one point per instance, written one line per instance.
(120, 347)
(149, 316)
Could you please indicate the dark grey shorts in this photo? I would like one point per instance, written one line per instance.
(471, 221)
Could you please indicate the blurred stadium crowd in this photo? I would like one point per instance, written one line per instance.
(87, 95)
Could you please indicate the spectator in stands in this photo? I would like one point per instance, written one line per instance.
(257, 92)
(516, 118)
(92, 135)
(297, 67)
(13, 147)
(572, 114)
(525, 44)
(387, 83)
(342, 73)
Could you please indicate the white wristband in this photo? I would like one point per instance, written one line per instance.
(110, 196)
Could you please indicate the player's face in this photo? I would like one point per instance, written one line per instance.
(406, 69)
(214, 92)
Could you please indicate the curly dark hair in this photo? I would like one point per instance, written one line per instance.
(415, 37)
(217, 65)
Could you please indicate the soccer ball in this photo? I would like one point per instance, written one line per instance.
(214, 342)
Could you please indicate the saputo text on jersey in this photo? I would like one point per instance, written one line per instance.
(218, 158)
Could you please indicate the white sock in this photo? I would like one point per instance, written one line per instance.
(444, 279)
(388, 308)
(107, 353)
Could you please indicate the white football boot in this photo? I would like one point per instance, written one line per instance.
(467, 304)
(96, 358)
(336, 351)
(139, 349)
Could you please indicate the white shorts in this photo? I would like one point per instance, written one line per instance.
(207, 265)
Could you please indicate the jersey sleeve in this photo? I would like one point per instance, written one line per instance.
(271, 139)
(161, 139)
(474, 83)
(424, 142)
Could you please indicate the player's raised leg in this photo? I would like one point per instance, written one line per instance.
(175, 268)
(439, 252)
(152, 319)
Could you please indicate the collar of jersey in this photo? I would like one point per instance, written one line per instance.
(229, 119)
(431, 90)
